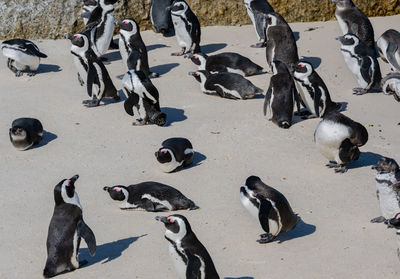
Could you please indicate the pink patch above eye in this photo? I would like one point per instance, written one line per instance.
(195, 56)
(124, 21)
(77, 36)
(68, 182)
(170, 220)
(398, 217)
(117, 189)
(164, 151)
(197, 74)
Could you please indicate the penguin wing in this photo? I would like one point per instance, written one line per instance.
(91, 76)
(32, 49)
(366, 70)
(95, 16)
(193, 266)
(261, 7)
(152, 90)
(87, 234)
(263, 213)
(267, 100)
(296, 98)
(317, 98)
(133, 99)
(390, 54)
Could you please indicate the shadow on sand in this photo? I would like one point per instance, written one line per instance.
(173, 115)
(212, 47)
(301, 229)
(46, 138)
(48, 68)
(367, 159)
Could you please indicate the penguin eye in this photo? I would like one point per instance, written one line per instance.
(171, 220)
(195, 56)
(197, 74)
(164, 151)
(117, 189)
(124, 21)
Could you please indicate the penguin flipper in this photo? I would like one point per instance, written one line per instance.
(87, 234)
(91, 74)
(390, 53)
(296, 98)
(366, 71)
(193, 266)
(263, 214)
(132, 100)
(267, 100)
(317, 99)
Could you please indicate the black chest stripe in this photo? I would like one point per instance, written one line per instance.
(183, 257)
(80, 60)
(380, 181)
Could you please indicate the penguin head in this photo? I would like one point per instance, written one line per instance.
(354, 153)
(348, 39)
(395, 221)
(273, 19)
(200, 75)
(18, 133)
(129, 25)
(79, 40)
(163, 155)
(177, 226)
(303, 68)
(64, 191)
(178, 7)
(197, 58)
(386, 165)
(118, 192)
(344, 3)
(278, 67)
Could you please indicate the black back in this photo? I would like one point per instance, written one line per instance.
(25, 46)
(220, 62)
(161, 16)
(178, 147)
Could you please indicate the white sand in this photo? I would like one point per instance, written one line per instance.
(102, 146)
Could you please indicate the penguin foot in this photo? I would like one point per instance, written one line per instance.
(332, 164)
(154, 75)
(83, 263)
(359, 91)
(258, 45)
(182, 52)
(18, 73)
(265, 238)
(342, 169)
(379, 219)
(91, 103)
(139, 122)
(31, 74)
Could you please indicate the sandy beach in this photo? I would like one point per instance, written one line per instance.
(232, 140)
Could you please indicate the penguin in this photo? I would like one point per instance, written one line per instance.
(352, 20)
(25, 132)
(101, 35)
(66, 230)
(391, 85)
(312, 90)
(87, 9)
(190, 257)
(175, 153)
(338, 138)
(91, 71)
(225, 62)
(130, 40)
(226, 85)
(187, 27)
(23, 56)
(150, 196)
(389, 48)
(387, 188)
(144, 97)
(362, 62)
(160, 16)
(281, 96)
(395, 223)
(280, 41)
(270, 206)
(256, 9)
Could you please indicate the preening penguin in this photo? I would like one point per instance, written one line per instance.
(160, 16)
(150, 196)
(256, 9)
(23, 56)
(338, 139)
(391, 85)
(389, 48)
(225, 62)
(190, 257)
(175, 153)
(25, 132)
(362, 62)
(226, 85)
(66, 230)
(270, 207)
(187, 27)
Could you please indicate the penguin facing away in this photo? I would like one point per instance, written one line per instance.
(23, 56)
(391, 85)
(25, 132)
(190, 257)
(270, 207)
(160, 16)
(66, 230)
(174, 154)
(150, 196)
(389, 48)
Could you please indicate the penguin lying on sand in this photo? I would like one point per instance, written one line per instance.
(391, 85)
(25, 132)
(174, 154)
(389, 48)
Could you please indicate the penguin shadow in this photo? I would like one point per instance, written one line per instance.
(111, 56)
(48, 68)
(107, 252)
(173, 115)
(302, 229)
(164, 68)
(198, 158)
(315, 61)
(46, 138)
(343, 107)
(155, 46)
(258, 96)
(296, 35)
(366, 159)
(212, 47)
(243, 277)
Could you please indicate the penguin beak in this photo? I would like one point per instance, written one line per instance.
(107, 189)
(162, 219)
(188, 55)
(118, 22)
(340, 38)
(68, 36)
(73, 179)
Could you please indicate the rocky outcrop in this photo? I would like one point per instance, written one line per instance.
(32, 19)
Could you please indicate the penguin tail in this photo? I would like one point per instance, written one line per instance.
(259, 90)
(190, 205)
(284, 124)
(47, 273)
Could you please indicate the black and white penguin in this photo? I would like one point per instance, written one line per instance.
(270, 207)
(66, 230)
(226, 85)
(391, 85)
(144, 97)
(87, 9)
(352, 20)
(160, 16)
(175, 153)
(281, 96)
(91, 71)
(187, 27)
(338, 138)
(387, 188)
(225, 62)
(362, 62)
(312, 90)
(23, 56)
(190, 257)
(130, 40)
(25, 132)
(150, 196)
(389, 48)
(280, 41)
(257, 9)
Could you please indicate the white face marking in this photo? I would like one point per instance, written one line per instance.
(202, 60)
(180, 12)
(247, 203)
(177, 237)
(74, 257)
(165, 203)
(125, 204)
(273, 20)
(172, 165)
(203, 80)
(74, 200)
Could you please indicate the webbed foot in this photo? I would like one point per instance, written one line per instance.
(359, 91)
(266, 238)
(379, 219)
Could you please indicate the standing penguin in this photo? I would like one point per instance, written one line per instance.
(144, 97)
(23, 56)
(280, 41)
(174, 154)
(257, 9)
(362, 62)
(226, 85)
(190, 257)
(391, 85)
(130, 40)
(66, 230)
(225, 62)
(187, 27)
(91, 71)
(338, 139)
(281, 96)
(270, 207)
(387, 188)
(160, 16)
(352, 20)
(389, 48)
(87, 9)
(312, 90)
(25, 132)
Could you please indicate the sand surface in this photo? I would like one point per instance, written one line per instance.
(233, 140)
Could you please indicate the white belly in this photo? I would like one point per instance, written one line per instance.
(22, 59)
(81, 70)
(342, 25)
(123, 50)
(103, 42)
(74, 258)
(179, 264)
(249, 205)
(253, 20)
(351, 62)
(306, 97)
(387, 200)
(182, 35)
